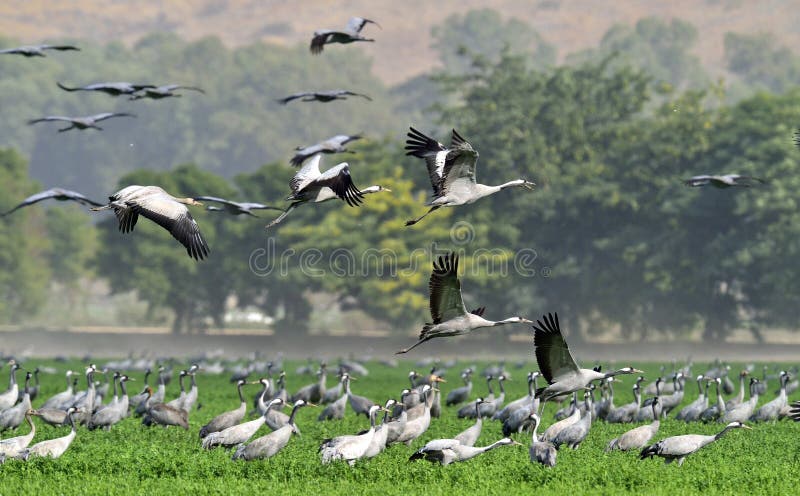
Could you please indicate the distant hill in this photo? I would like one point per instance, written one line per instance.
(403, 47)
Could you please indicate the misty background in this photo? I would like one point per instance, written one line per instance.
(607, 106)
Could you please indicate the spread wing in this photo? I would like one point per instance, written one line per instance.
(303, 153)
(343, 139)
(109, 115)
(697, 180)
(356, 24)
(339, 180)
(216, 200)
(174, 87)
(59, 47)
(295, 96)
(51, 118)
(306, 175)
(552, 352)
(433, 152)
(459, 166)
(445, 290)
(175, 218)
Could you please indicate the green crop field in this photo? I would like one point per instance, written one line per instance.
(134, 459)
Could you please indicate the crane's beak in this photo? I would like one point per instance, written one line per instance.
(746, 427)
(516, 443)
(525, 321)
(311, 405)
(131, 379)
(637, 371)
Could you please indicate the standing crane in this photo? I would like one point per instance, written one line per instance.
(237, 434)
(449, 315)
(452, 172)
(638, 437)
(11, 447)
(10, 396)
(350, 448)
(679, 447)
(53, 448)
(229, 418)
(543, 452)
(269, 445)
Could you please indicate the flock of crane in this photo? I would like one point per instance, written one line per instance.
(104, 404)
(451, 170)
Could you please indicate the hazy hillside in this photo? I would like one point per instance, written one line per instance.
(403, 47)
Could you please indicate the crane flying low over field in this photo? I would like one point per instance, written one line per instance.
(37, 50)
(310, 185)
(162, 208)
(322, 96)
(81, 123)
(452, 171)
(351, 33)
(555, 361)
(450, 316)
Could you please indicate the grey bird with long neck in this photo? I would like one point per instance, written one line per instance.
(229, 418)
(452, 172)
(627, 412)
(638, 437)
(743, 411)
(269, 445)
(692, 411)
(449, 315)
(679, 447)
(573, 435)
(470, 436)
(11, 447)
(10, 396)
(11, 418)
(543, 452)
(236, 434)
(53, 448)
(771, 410)
(456, 452)
(350, 448)
(557, 365)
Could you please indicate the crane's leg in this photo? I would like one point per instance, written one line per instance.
(414, 221)
(66, 128)
(412, 347)
(283, 215)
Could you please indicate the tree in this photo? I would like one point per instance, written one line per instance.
(483, 33)
(760, 62)
(24, 277)
(660, 48)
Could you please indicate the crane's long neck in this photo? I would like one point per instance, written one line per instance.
(12, 379)
(534, 436)
(720, 400)
(373, 418)
(347, 386)
(293, 414)
(194, 382)
(241, 396)
(123, 388)
(69, 382)
(637, 395)
(263, 391)
(720, 433)
(531, 387)
(180, 383)
(502, 388)
(114, 385)
(492, 446)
